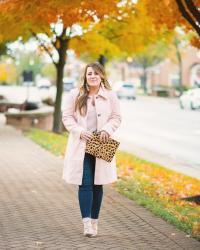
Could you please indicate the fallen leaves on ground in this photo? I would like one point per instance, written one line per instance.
(165, 186)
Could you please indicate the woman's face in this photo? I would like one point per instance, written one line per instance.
(93, 79)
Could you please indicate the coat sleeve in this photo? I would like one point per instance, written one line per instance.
(68, 117)
(114, 120)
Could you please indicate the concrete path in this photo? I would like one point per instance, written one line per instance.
(39, 211)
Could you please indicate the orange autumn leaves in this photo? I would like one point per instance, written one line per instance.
(167, 13)
(165, 183)
(139, 24)
(22, 16)
(164, 186)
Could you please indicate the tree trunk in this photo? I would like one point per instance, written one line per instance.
(179, 59)
(180, 71)
(194, 10)
(123, 74)
(57, 125)
(188, 15)
(144, 80)
(102, 60)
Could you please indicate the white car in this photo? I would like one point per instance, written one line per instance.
(126, 90)
(43, 83)
(190, 99)
(68, 83)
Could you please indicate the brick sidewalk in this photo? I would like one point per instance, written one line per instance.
(39, 211)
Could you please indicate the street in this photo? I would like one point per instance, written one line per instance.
(157, 129)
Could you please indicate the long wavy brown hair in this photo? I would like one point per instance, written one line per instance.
(81, 100)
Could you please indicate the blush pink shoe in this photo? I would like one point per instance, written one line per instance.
(94, 223)
(88, 230)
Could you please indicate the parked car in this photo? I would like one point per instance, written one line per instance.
(68, 83)
(126, 90)
(43, 83)
(162, 91)
(190, 99)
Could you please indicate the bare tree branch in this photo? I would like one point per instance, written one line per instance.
(53, 43)
(44, 47)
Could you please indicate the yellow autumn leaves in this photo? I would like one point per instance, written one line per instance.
(164, 186)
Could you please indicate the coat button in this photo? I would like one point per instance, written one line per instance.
(99, 114)
(97, 97)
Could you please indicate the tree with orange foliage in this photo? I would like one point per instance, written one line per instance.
(122, 35)
(53, 23)
(183, 13)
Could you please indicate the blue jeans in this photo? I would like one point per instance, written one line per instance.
(90, 195)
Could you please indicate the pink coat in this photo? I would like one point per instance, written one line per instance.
(108, 119)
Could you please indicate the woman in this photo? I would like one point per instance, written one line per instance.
(92, 107)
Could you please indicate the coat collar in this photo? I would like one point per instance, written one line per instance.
(102, 92)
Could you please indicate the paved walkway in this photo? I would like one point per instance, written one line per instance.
(39, 211)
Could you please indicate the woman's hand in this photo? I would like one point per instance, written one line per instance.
(86, 135)
(104, 136)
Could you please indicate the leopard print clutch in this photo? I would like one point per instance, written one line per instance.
(105, 151)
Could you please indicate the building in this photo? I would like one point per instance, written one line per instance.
(166, 73)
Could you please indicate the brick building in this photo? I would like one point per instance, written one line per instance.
(164, 74)
(167, 72)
